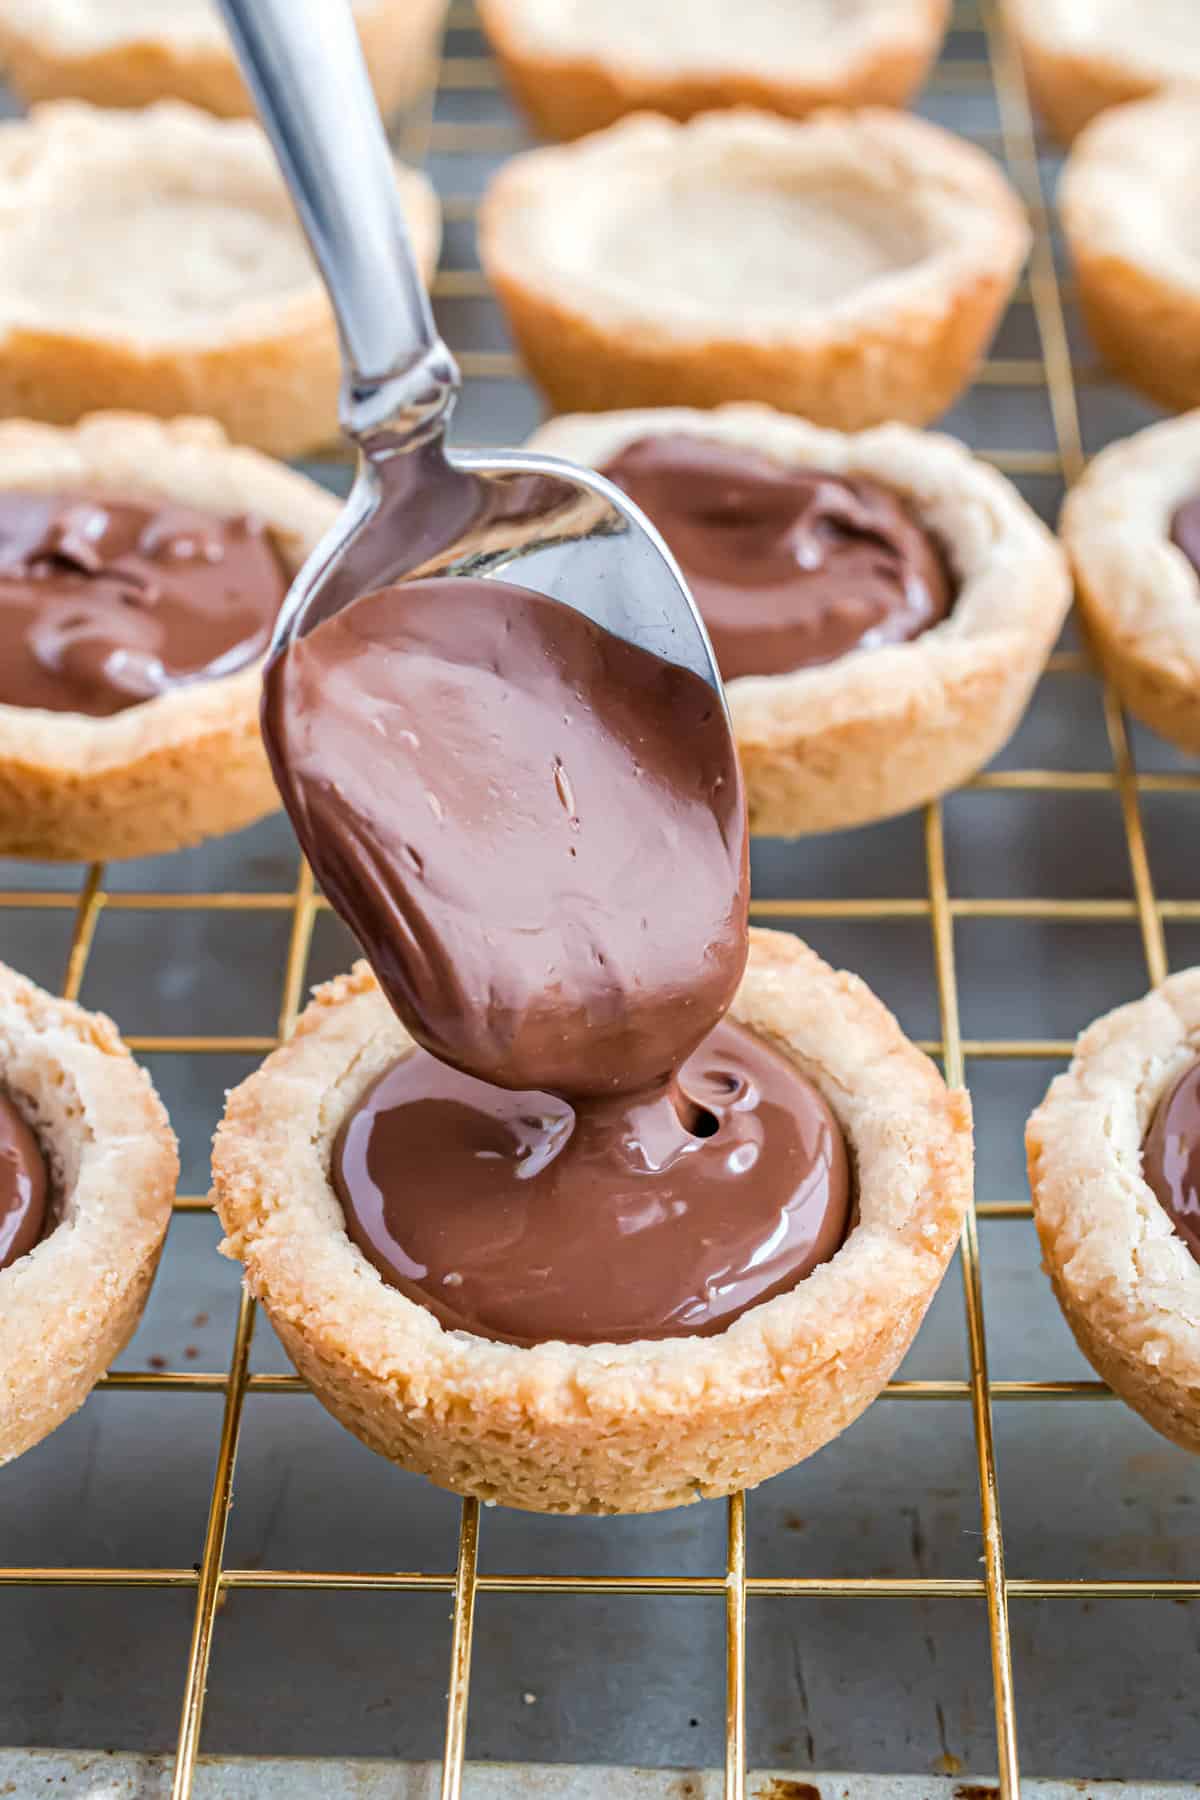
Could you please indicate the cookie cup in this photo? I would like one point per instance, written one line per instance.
(575, 69)
(602, 1428)
(188, 764)
(60, 49)
(189, 287)
(1080, 61)
(1139, 593)
(1129, 193)
(850, 267)
(1127, 1283)
(73, 1302)
(879, 731)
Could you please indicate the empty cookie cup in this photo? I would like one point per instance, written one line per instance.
(133, 52)
(1081, 60)
(575, 67)
(872, 705)
(189, 287)
(1131, 528)
(850, 267)
(1128, 196)
(634, 1427)
(88, 1168)
(1114, 1163)
(133, 639)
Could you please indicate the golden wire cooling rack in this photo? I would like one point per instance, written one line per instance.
(1051, 373)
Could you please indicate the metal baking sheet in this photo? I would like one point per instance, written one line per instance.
(573, 1693)
(84, 1775)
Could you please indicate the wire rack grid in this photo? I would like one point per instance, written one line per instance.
(210, 1578)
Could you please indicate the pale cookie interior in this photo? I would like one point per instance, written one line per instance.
(178, 225)
(1156, 38)
(760, 37)
(741, 216)
(78, 27)
(673, 238)
(1131, 188)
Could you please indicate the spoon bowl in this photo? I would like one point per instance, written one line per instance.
(417, 510)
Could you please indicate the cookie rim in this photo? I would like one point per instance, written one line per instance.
(1138, 592)
(1127, 1283)
(71, 1304)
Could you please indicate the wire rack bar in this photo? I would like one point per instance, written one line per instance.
(735, 1648)
(465, 1585)
(209, 1583)
(981, 1411)
(818, 1587)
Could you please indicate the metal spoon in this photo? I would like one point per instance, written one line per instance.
(414, 509)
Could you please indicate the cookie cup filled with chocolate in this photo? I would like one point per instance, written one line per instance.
(635, 1427)
(141, 568)
(1131, 528)
(1114, 1161)
(911, 590)
(88, 1168)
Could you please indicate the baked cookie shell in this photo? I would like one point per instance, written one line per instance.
(190, 763)
(880, 731)
(263, 360)
(604, 318)
(1128, 192)
(602, 1428)
(1139, 593)
(1076, 68)
(46, 56)
(70, 1305)
(568, 89)
(1127, 1283)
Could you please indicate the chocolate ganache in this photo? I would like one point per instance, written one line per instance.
(23, 1185)
(790, 567)
(105, 603)
(1171, 1156)
(537, 832)
(1185, 530)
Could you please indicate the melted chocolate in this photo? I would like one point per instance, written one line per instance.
(1171, 1156)
(23, 1185)
(535, 830)
(106, 603)
(515, 1217)
(1185, 530)
(538, 833)
(790, 567)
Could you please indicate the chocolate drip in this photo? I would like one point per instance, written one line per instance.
(1171, 1156)
(538, 833)
(106, 603)
(790, 567)
(23, 1185)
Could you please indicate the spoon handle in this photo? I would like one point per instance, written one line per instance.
(304, 66)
